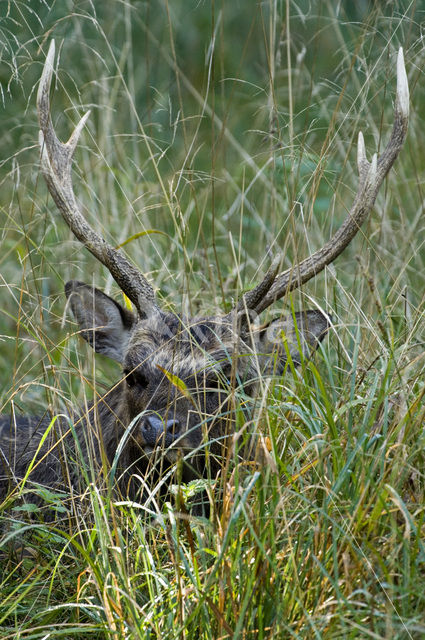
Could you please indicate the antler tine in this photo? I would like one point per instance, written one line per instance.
(371, 176)
(56, 164)
(253, 298)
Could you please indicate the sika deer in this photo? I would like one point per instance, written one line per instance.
(172, 400)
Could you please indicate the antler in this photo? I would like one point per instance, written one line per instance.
(56, 164)
(371, 176)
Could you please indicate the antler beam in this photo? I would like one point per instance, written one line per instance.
(371, 176)
(56, 164)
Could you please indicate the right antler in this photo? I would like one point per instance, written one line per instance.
(371, 175)
(56, 164)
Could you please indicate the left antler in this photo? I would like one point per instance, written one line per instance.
(56, 164)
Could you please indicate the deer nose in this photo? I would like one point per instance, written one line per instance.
(158, 432)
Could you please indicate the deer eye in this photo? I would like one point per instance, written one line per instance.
(135, 379)
(219, 382)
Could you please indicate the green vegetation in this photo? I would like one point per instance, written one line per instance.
(219, 130)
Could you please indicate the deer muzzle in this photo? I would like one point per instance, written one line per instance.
(156, 432)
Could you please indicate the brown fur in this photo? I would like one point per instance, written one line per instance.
(172, 402)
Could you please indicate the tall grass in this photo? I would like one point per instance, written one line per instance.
(221, 131)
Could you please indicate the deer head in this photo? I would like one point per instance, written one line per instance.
(176, 370)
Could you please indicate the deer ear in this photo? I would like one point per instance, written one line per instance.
(104, 323)
(300, 334)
